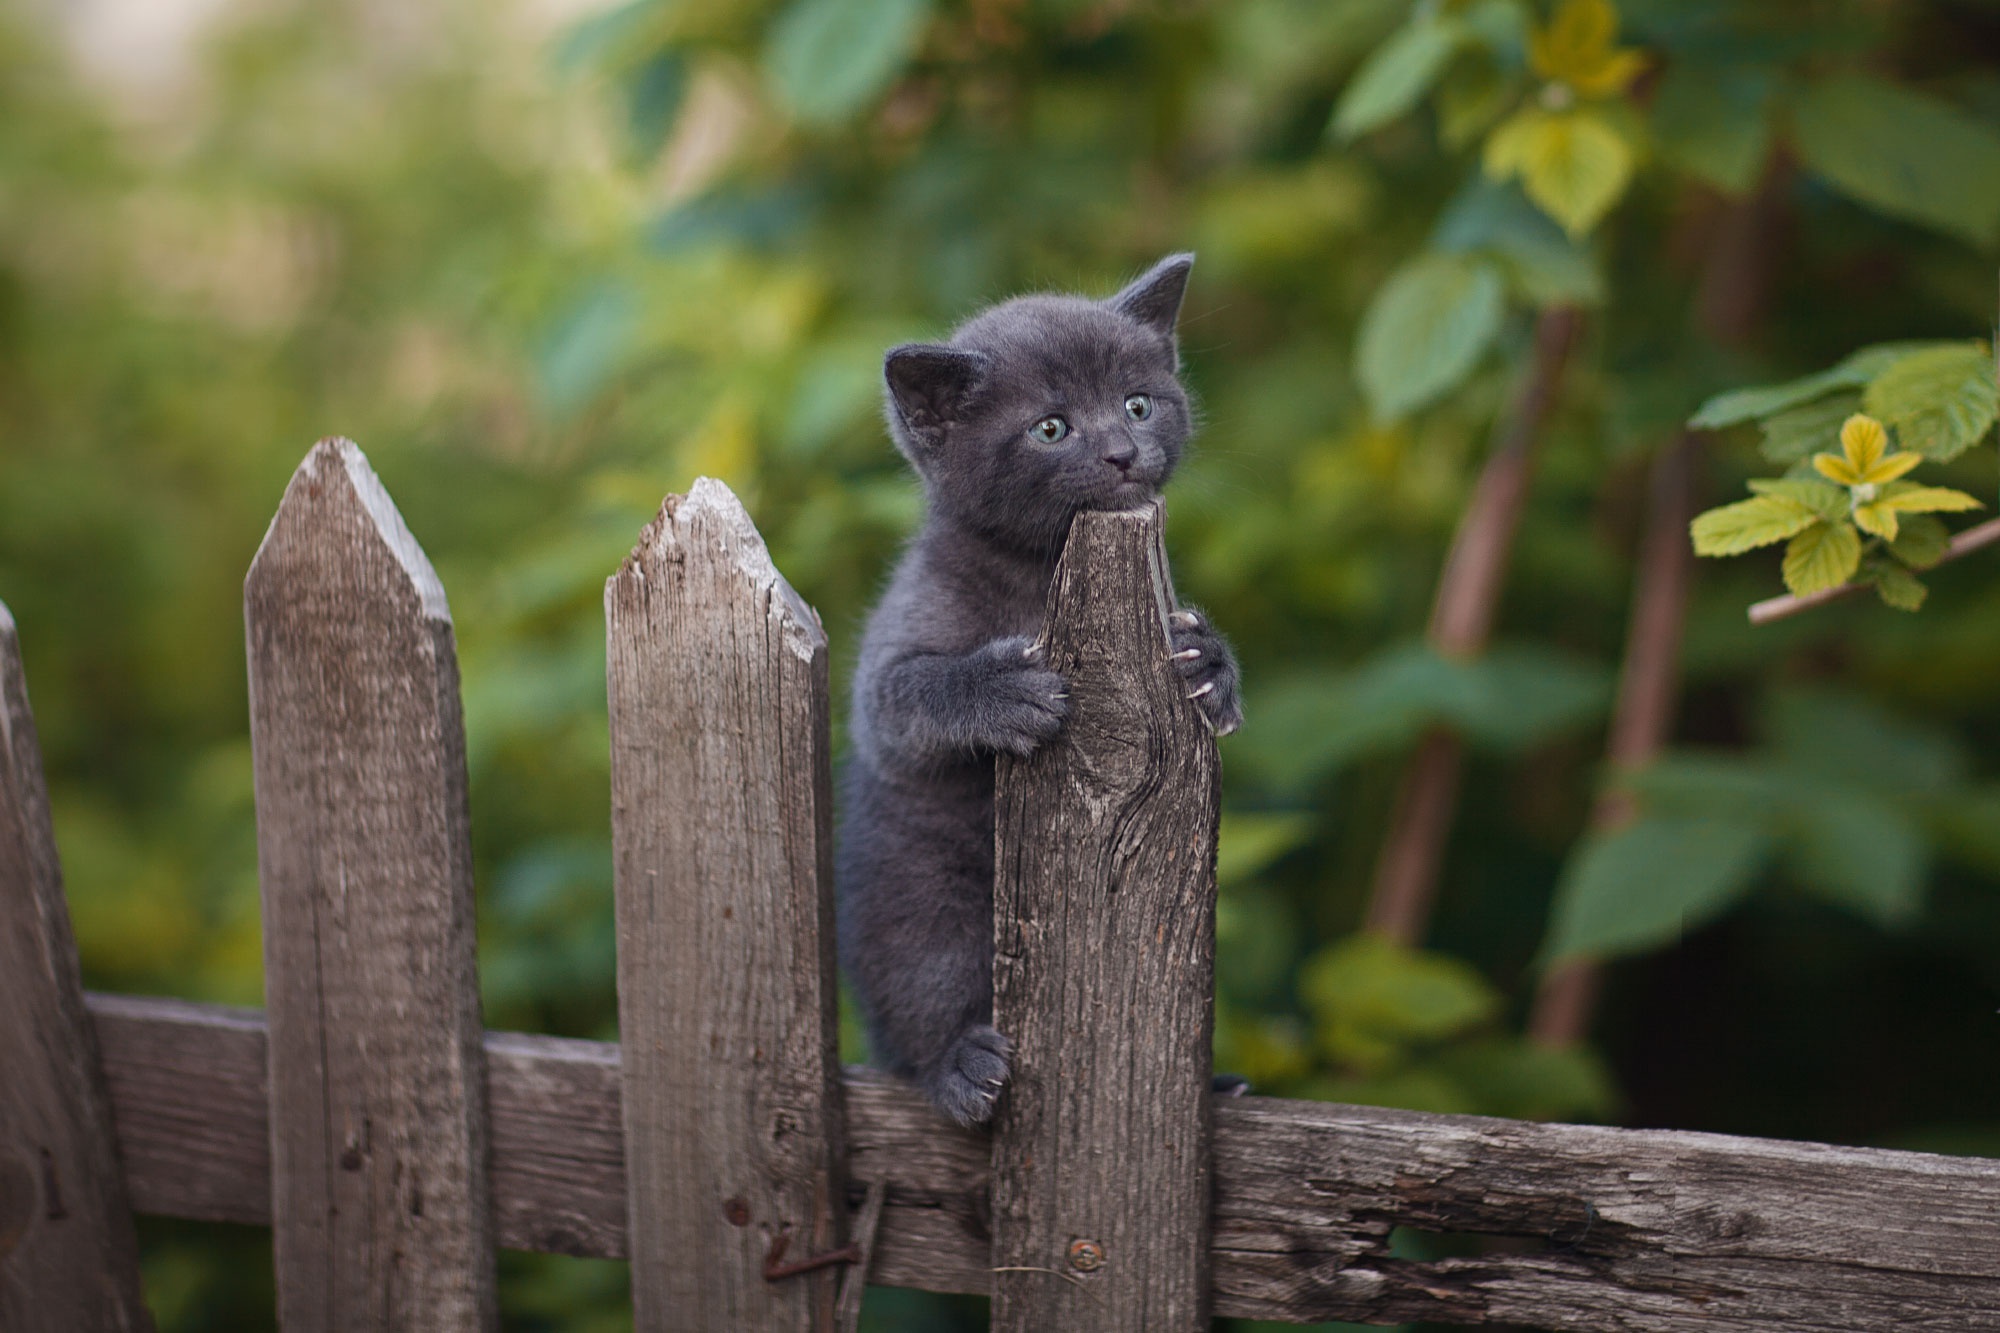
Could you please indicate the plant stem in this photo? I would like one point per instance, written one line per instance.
(1643, 716)
(1468, 597)
(1777, 608)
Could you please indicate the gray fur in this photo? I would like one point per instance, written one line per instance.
(947, 676)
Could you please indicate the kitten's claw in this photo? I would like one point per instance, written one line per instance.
(1203, 658)
(966, 1082)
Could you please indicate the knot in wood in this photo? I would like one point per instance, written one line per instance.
(1086, 1256)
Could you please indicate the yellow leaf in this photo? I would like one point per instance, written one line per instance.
(1576, 167)
(1506, 150)
(1748, 524)
(1575, 49)
(1878, 518)
(1835, 468)
(1824, 556)
(1927, 500)
(1894, 466)
(1864, 441)
(1611, 76)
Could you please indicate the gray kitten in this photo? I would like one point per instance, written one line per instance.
(1037, 408)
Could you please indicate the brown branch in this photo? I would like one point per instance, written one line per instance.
(1730, 301)
(1468, 598)
(1777, 608)
(1644, 712)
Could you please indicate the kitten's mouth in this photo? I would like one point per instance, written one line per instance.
(1129, 494)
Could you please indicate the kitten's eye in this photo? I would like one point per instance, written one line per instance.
(1138, 407)
(1049, 430)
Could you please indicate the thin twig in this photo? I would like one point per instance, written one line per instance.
(1643, 715)
(1777, 608)
(1468, 597)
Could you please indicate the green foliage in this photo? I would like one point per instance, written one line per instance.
(1936, 400)
(1426, 331)
(1511, 697)
(1398, 74)
(1644, 884)
(1940, 401)
(1374, 998)
(1837, 793)
(1905, 153)
(828, 58)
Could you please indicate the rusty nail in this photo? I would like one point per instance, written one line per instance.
(775, 1267)
(737, 1212)
(1086, 1256)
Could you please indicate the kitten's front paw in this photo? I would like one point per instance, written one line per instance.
(1020, 703)
(966, 1082)
(1209, 668)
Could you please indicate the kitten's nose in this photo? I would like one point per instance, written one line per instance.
(1120, 454)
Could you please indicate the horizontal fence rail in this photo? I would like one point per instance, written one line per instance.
(1640, 1231)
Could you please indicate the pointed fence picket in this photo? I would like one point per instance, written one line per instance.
(381, 1207)
(392, 1145)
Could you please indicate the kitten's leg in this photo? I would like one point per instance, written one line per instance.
(1209, 667)
(1000, 696)
(916, 932)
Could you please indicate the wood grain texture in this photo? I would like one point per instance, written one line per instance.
(378, 1081)
(68, 1258)
(1104, 965)
(1642, 1231)
(721, 831)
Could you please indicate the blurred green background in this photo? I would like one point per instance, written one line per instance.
(548, 261)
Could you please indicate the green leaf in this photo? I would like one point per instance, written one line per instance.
(1898, 587)
(1542, 262)
(1940, 401)
(1824, 556)
(1571, 163)
(828, 58)
(1859, 852)
(653, 96)
(1373, 998)
(1921, 541)
(1518, 694)
(1521, 1079)
(1513, 696)
(1812, 428)
(1815, 493)
(1251, 841)
(1471, 100)
(1714, 123)
(1748, 524)
(1833, 733)
(1902, 153)
(1855, 370)
(1698, 785)
(1396, 75)
(1646, 883)
(1425, 331)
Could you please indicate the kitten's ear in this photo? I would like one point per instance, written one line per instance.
(1155, 298)
(928, 386)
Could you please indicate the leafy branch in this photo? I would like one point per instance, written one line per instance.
(1850, 519)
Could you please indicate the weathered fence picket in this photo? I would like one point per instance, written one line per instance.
(721, 826)
(1104, 965)
(356, 1123)
(68, 1259)
(381, 1203)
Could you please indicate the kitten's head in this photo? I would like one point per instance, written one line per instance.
(1046, 405)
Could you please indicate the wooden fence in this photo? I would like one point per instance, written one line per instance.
(392, 1144)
